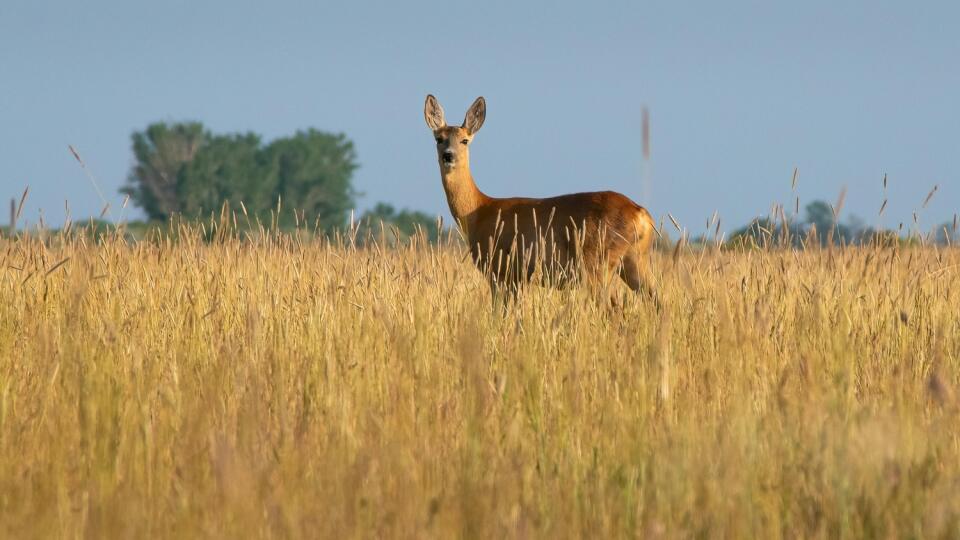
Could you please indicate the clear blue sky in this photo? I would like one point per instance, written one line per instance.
(739, 94)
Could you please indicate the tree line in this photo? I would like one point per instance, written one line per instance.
(820, 225)
(183, 169)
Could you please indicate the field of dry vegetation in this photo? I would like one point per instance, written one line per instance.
(277, 386)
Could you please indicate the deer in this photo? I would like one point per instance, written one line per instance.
(553, 241)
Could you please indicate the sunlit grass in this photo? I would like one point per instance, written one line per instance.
(278, 386)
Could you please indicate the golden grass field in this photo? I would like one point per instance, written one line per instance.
(285, 387)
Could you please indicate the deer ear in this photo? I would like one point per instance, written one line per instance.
(433, 113)
(475, 116)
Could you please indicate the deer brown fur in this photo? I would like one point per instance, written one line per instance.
(554, 240)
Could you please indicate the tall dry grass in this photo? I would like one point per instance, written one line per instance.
(279, 387)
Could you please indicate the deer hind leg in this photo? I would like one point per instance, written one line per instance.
(635, 272)
(502, 294)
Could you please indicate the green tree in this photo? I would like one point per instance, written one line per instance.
(160, 152)
(229, 168)
(947, 233)
(183, 169)
(313, 175)
(820, 215)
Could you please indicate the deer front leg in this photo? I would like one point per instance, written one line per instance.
(636, 273)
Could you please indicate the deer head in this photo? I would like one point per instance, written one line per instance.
(453, 142)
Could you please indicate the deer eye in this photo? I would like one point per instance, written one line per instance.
(465, 141)
(439, 140)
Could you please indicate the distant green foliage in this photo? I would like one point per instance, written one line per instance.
(184, 169)
(228, 168)
(760, 231)
(406, 221)
(820, 215)
(818, 226)
(160, 152)
(313, 172)
(947, 233)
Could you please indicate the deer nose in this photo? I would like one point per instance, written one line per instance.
(447, 156)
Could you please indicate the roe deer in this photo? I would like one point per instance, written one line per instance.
(552, 240)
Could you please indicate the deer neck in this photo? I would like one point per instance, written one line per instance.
(463, 195)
